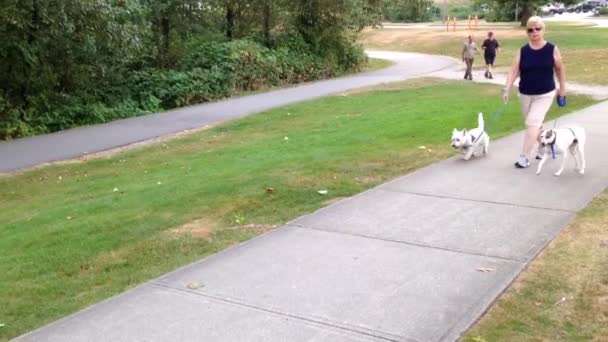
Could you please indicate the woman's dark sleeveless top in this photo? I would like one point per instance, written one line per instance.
(536, 70)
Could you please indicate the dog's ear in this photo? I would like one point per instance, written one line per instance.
(464, 132)
(454, 131)
(549, 134)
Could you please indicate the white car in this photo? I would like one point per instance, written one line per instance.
(552, 8)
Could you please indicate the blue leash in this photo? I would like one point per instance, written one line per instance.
(561, 102)
(492, 119)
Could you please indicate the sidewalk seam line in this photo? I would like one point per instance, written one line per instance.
(406, 243)
(477, 201)
(330, 324)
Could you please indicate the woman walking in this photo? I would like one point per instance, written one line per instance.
(468, 55)
(490, 46)
(535, 64)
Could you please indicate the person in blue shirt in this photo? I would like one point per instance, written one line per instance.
(536, 63)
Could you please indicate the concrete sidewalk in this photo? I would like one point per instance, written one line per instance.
(78, 142)
(402, 262)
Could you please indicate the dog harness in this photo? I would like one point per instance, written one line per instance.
(574, 141)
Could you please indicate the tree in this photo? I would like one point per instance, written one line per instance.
(408, 10)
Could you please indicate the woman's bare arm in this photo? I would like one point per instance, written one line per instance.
(560, 70)
(511, 77)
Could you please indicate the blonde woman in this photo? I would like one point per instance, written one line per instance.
(535, 64)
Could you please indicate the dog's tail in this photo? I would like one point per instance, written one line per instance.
(480, 123)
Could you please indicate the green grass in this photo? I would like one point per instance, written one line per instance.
(74, 234)
(563, 296)
(584, 49)
(378, 64)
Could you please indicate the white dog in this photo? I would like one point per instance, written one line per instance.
(474, 142)
(558, 142)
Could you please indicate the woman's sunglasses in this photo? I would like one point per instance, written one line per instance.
(537, 29)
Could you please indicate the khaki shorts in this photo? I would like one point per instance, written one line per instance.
(535, 107)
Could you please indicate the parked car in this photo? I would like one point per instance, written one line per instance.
(587, 6)
(590, 6)
(552, 8)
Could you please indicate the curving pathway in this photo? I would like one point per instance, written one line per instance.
(78, 142)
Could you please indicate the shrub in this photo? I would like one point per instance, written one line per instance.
(206, 72)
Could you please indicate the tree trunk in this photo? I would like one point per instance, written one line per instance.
(34, 22)
(267, 14)
(229, 21)
(32, 34)
(308, 19)
(165, 25)
(526, 13)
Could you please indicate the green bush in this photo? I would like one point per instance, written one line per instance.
(604, 11)
(205, 72)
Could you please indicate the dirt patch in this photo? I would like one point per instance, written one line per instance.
(198, 229)
(369, 179)
(257, 228)
(332, 201)
(104, 261)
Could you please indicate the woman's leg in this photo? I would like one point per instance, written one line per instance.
(530, 141)
(537, 107)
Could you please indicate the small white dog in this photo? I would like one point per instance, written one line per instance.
(558, 142)
(474, 142)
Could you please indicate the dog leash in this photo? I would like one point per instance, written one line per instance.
(492, 119)
(561, 102)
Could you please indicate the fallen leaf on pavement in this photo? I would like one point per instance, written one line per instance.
(485, 270)
(194, 286)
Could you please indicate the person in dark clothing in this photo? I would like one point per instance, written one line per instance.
(490, 47)
(535, 64)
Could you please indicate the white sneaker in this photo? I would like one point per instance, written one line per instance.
(522, 162)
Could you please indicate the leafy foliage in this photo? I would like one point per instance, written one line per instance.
(410, 10)
(71, 62)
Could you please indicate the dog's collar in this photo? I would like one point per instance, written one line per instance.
(553, 144)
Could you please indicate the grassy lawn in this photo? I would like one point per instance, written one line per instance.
(377, 64)
(585, 49)
(563, 296)
(76, 233)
